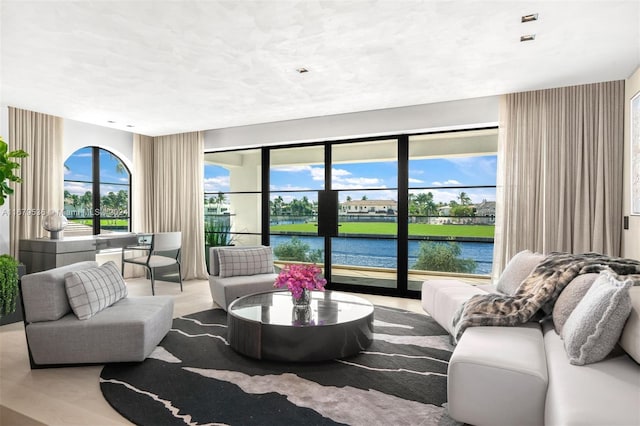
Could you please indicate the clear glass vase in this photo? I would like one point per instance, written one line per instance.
(304, 300)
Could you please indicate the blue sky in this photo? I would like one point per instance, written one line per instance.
(78, 167)
(438, 173)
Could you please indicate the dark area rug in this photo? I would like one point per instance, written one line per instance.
(195, 378)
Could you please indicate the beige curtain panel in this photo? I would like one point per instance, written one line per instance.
(142, 184)
(42, 173)
(560, 171)
(169, 188)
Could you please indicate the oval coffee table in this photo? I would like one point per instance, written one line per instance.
(266, 326)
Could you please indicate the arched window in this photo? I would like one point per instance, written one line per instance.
(97, 193)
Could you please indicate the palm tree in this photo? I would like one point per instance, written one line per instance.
(86, 200)
(465, 200)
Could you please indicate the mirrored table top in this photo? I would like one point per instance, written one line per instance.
(275, 308)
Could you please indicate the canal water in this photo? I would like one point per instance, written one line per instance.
(381, 253)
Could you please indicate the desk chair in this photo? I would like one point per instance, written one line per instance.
(152, 244)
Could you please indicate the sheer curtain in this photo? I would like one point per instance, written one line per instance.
(169, 193)
(42, 173)
(560, 171)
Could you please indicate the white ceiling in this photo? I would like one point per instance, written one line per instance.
(174, 66)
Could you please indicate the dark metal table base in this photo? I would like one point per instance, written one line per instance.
(266, 326)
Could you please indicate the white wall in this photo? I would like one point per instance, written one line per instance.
(631, 236)
(439, 116)
(78, 135)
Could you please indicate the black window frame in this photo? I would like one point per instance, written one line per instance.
(96, 211)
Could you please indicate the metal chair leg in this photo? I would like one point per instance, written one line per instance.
(180, 275)
(153, 290)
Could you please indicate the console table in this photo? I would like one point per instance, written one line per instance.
(41, 254)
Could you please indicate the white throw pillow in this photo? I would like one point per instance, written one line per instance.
(569, 299)
(94, 289)
(517, 270)
(594, 326)
(249, 261)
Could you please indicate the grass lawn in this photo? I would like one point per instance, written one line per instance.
(386, 228)
(104, 222)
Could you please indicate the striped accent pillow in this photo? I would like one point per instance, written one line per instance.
(249, 261)
(92, 290)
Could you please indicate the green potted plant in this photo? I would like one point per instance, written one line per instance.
(9, 298)
(7, 168)
(217, 232)
(8, 284)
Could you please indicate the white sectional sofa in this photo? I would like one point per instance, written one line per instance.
(521, 375)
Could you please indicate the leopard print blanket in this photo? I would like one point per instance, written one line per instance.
(538, 291)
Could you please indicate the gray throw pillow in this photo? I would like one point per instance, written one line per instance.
(594, 326)
(517, 270)
(569, 299)
(250, 261)
(92, 290)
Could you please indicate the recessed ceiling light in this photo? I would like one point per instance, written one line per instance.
(530, 17)
(111, 122)
(130, 125)
(302, 70)
(528, 37)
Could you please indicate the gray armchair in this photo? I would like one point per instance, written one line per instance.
(128, 330)
(156, 243)
(239, 271)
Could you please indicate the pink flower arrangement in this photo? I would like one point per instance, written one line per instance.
(300, 277)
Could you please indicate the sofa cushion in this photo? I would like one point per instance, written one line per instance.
(94, 289)
(44, 293)
(604, 393)
(630, 338)
(498, 376)
(226, 290)
(518, 268)
(594, 326)
(569, 299)
(127, 331)
(441, 298)
(245, 261)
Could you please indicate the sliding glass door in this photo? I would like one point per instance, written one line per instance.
(296, 176)
(379, 215)
(365, 177)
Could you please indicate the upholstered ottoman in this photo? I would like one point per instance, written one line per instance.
(498, 367)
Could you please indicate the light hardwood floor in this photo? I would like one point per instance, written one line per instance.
(71, 396)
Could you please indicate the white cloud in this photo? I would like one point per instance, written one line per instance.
(291, 169)
(338, 173)
(275, 188)
(77, 188)
(446, 182)
(414, 180)
(83, 155)
(216, 184)
(317, 173)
